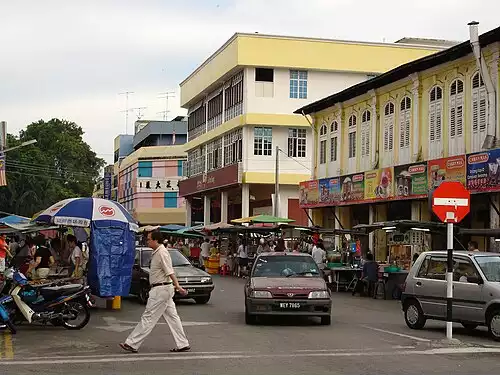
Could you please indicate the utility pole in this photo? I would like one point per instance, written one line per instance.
(127, 109)
(166, 95)
(277, 183)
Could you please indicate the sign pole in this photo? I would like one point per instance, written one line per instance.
(449, 282)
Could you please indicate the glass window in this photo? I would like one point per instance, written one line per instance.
(178, 260)
(297, 143)
(322, 152)
(462, 268)
(263, 141)
(333, 149)
(285, 266)
(433, 267)
(298, 84)
(170, 199)
(490, 265)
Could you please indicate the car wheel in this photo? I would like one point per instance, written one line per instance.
(414, 316)
(250, 319)
(202, 300)
(326, 320)
(470, 326)
(144, 293)
(494, 325)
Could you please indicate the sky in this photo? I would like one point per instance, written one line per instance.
(72, 59)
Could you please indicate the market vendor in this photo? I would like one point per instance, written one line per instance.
(40, 268)
(75, 258)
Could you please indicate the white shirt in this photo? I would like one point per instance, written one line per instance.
(205, 249)
(242, 252)
(161, 267)
(76, 253)
(319, 255)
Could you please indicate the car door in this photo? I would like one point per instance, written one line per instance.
(467, 296)
(136, 273)
(429, 286)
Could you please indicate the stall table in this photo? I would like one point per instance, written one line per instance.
(346, 276)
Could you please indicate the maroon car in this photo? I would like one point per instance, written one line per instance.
(286, 284)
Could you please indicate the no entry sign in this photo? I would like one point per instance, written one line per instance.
(451, 202)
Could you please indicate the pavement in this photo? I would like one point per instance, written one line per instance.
(366, 337)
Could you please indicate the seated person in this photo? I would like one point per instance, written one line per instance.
(368, 276)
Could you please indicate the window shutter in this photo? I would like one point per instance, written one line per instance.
(460, 114)
(407, 126)
(438, 125)
(367, 139)
(453, 117)
(475, 111)
(386, 135)
(482, 109)
(432, 122)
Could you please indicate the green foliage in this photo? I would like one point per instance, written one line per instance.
(60, 165)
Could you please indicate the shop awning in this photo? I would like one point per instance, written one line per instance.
(404, 225)
(267, 219)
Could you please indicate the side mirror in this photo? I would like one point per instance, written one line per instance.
(474, 279)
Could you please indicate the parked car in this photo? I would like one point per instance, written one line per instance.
(476, 290)
(197, 282)
(286, 284)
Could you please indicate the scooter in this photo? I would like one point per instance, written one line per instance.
(59, 305)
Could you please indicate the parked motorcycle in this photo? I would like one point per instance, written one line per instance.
(60, 305)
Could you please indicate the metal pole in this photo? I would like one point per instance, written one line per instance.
(277, 183)
(449, 282)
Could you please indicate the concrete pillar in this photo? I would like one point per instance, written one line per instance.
(416, 210)
(338, 242)
(188, 212)
(223, 206)
(206, 210)
(245, 200)
(494, 221)
(371, 219)
(380, 237)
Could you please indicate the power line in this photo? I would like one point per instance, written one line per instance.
(45, 168)
(49, 172)
(36, 175)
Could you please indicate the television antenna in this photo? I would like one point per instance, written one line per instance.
(166, 95)
(140, 112)
(127, 109)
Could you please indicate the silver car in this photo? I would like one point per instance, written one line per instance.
(476, 290)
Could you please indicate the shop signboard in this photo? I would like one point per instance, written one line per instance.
(329, 191)
(379, 184)
(483, 172)
(446, 169)
(411, 181)
(107, 185)
(224, 177)
(352, 188)
(308, 194)
(159, 185)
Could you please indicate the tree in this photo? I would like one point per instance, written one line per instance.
(60, 165)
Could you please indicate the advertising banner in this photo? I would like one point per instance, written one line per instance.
(308, 194)
(446, 169)
(483, 172)
(160, 185)
(379, 184)
(352, 188)
(107, 185)
(217, 179)
(329, 191)
(411, 181)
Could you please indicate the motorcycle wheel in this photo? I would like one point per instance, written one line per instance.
(81, 310)
(11, 326)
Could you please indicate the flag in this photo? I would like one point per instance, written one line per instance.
(3, 177)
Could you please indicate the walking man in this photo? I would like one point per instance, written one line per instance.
(160, 301)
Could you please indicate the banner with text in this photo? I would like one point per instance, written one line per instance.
(483, 171)
(352, 188)
(329, 190)
(411, 181)
(379, 184)
(160, 185)
(308, 193)
(446, 169)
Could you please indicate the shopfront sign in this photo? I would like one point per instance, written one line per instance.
(309, 194)
(352, 188)
(107, 185)
(483, 171)
(329, 191)
(411, 181)
(219, 178)
(446, 169)
(379, 184)
(159, 185)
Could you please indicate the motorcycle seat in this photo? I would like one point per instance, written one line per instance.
(60, 289)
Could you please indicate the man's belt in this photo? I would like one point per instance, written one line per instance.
(160, 284)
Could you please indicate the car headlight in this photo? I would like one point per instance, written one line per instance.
(319, 294)
(261, 294)
(206, 279)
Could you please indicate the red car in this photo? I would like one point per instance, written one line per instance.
(286, 284)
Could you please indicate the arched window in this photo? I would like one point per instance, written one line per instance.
(435, 121)
(404, 130)
(352, 136)
(322, 143)
(334, 128)
(365, 133)
(479, 109)
(322, 130)
(389, 127)
(456, 123)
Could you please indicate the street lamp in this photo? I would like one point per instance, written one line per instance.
(27, 143)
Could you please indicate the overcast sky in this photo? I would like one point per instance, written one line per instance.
(71, 59)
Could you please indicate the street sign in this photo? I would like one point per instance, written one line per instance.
(451, 202)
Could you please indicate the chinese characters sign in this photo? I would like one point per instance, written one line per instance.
(160, 185)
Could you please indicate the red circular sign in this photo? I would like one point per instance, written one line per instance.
(107, 211)
(451, 202)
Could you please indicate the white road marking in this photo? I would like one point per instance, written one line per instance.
(224, 356)
(116, 325)
(397, 334)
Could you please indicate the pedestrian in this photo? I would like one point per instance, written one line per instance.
(472, 246)
(319, 255)
(75, 258)
(242, 259)
(280, 247)
(160, 300)
(4, 251)
(205, 252)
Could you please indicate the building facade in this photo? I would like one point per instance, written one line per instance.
(240, 105)
(385, 144)
(99, 187)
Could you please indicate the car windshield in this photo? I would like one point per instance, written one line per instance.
(490, 265)
(285, 266)
(178, 260)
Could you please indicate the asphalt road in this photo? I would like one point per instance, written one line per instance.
(366, 337)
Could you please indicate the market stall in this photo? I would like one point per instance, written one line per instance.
(112, 240)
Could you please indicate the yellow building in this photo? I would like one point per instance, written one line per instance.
(384, 144)
(240, 103)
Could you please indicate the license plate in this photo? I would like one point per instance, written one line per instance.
(289, 305)
(191, 290)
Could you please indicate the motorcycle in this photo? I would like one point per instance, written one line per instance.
(59, 305)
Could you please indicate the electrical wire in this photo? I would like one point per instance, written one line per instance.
(49, 170)
(47, 166)
(35, 175)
